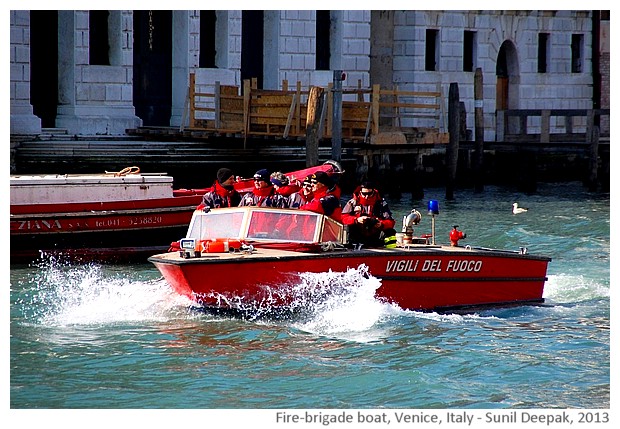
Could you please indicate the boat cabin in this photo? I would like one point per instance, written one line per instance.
(264, 224)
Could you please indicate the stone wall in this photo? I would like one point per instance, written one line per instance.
(98, 99)
(605, 68)
(23, 120)
(559, 88)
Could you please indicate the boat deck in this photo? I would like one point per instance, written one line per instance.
(262, 253)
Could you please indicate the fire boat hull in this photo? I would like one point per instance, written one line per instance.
(425, 278)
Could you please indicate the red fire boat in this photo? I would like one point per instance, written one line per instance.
(249, 259)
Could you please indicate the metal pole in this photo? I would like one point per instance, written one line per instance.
(339, 76)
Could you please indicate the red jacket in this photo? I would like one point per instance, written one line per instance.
(372, 206)
(217, 196)
(327, 202)
(287, 190)
(262, 197)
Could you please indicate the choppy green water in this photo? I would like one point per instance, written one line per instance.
(92, 336)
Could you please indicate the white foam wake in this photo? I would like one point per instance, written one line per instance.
(85, 294)
(344, 305)
(567, 288)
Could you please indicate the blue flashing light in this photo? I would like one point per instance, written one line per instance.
(433, 207)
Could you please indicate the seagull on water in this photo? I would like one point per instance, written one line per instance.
(516, 209)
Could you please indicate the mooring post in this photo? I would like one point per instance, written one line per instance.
(452, 151)
(593, 135)
(313, 122)
(479, 130)
(339, 76)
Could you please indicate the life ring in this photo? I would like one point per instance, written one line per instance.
(220, 245)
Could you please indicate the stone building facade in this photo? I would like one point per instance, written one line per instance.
(102, 72)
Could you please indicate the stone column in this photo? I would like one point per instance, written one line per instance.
(95, 99)
(185, 41)
(23, 120)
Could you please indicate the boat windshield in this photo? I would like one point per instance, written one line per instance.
(283, 225)
(264, 224)
(216, 224)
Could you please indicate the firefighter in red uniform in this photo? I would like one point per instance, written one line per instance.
(287, 188)
(263, 194)
(222, 193)
(369, 218)
(326, 196)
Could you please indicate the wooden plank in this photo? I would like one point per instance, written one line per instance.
(273, 100)
(410, 93)
(218, 95)
(204, 109)
(298, 128)
(368, 123)
(204, 94)
(411, 105)
(289, 118)
(231, 108)
(360, 114)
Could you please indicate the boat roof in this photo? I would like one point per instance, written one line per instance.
(79, 179)
(85, 188)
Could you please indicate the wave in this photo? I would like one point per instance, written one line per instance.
(349, 309)
(572, 288)
(64, 294)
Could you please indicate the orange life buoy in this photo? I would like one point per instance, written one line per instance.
(220, 245)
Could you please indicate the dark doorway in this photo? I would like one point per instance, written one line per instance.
(252, 23)
(152, 71)
(501, 89)
(507, 85)
(208, 20)
(507, 72)
(44, 65)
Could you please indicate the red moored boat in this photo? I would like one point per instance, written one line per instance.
(97, 216)
(265, 252)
